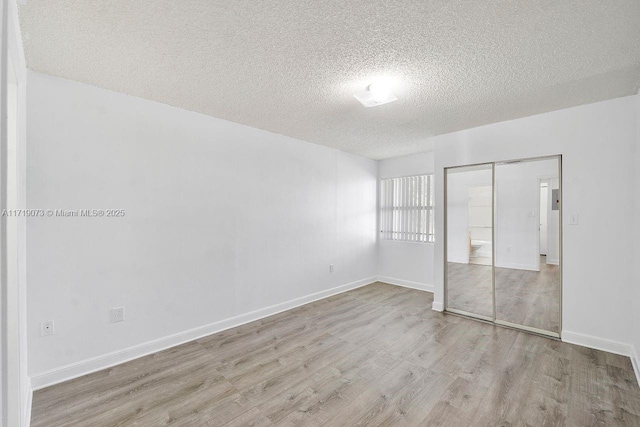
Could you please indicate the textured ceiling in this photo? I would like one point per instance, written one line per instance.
(292, 67)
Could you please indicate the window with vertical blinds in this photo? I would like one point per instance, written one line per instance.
(406, 209)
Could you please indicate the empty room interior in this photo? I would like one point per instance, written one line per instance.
(320, 213)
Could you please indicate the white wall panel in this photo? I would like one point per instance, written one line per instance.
(221, 220)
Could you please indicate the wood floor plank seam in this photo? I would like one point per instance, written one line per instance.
(376, 355)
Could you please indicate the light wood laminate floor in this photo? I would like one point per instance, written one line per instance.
(377, 355)
(524, 297)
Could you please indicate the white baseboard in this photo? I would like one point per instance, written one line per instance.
(26, 410)
(406, 283)
(437, 306)
(597, 343)
(98, 363)
(516, 266)
(635, 361)
(553, 261)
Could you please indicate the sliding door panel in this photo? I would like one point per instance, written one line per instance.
(469, 240)
(527, 244)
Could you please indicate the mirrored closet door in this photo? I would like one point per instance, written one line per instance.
(503, 243)
(469, 224)
(527, 253)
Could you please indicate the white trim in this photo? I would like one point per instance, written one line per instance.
(409, 242)
(13, 54)
(406, 283)
(597, 343)
(14, 43)
(87, 366)
(459, 260)
(485, 254)
(517, 266)
(28, 399)
(635, 361)
(553, 261)
(437, 306)
(526, 328)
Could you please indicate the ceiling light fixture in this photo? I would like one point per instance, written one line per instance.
(376, 94)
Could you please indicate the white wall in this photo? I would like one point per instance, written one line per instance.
(458, 183)
(16, 390)
(544, 215)
(597, 144)
(406, 263)
(517, 213)
(553, 225)
(636, 260)
(221, 220)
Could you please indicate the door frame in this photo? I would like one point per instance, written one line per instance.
(16, 390)
(541, 179)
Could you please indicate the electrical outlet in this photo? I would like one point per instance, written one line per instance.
(330, 268)
(117, 314)
(46, 328)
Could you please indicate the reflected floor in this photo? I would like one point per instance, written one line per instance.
(469, 288)
(524, 297)
(529, 298)
(481, 260)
